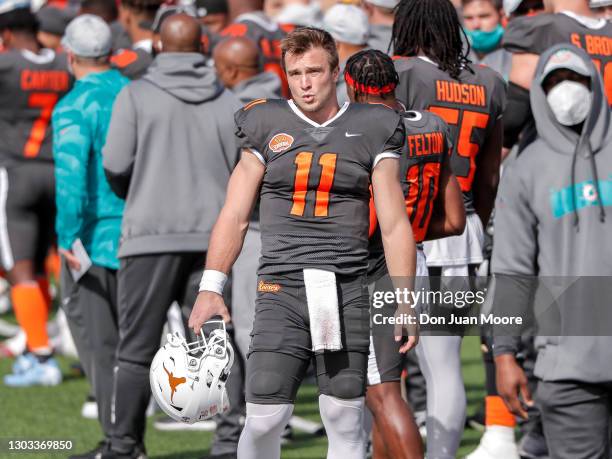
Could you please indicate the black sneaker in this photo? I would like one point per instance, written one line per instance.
(95, 453)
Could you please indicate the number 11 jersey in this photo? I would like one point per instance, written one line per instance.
(314, 209)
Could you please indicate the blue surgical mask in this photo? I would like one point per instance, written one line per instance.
(485, 42)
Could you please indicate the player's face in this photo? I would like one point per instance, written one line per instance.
(311, 80)
(480, 15)
(561, 75)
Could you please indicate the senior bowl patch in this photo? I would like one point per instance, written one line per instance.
(280, 142)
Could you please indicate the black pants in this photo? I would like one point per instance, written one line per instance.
(147, 286)
(91, 310)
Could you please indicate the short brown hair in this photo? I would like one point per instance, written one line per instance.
(303, 39)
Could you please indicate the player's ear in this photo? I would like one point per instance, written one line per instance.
(336, 74)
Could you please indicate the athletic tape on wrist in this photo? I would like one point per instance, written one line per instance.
(213, 281)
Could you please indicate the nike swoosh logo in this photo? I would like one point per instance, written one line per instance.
(352, 135)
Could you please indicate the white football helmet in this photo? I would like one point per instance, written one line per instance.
(188, 379)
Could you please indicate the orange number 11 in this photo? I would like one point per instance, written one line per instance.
(303, 161)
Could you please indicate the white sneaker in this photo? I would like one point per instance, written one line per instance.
(496, 443)
(89, 410)
(39, 374)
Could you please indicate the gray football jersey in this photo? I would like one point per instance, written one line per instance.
(132, 63)
(470, 106)
(30, 86)
(267, 35)
(536, 34)
(314, 209)
(426, 150)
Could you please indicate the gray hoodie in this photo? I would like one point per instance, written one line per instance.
(541, 230)
(264, 85)
(170, 150)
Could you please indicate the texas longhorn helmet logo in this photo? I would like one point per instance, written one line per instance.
(174, 382)
(280, 142)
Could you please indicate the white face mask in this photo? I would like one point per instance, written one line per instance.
(570, 102)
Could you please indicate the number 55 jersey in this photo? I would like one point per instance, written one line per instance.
(314, 209)
(470, 106)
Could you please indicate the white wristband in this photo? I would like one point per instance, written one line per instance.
(213, 281)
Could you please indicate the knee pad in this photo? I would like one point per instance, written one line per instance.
(264, 383)
(273, 378)
(342, 375)
(348, 384)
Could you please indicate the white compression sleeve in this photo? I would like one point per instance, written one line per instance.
(440, 361)
(343, 420)
(261, 436)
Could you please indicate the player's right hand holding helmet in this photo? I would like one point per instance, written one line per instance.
(188, 379)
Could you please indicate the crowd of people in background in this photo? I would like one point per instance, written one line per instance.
(119, 140)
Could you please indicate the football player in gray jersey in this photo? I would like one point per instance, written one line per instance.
(312, 163)
(32, 80)
(436, 75)
(435, 208)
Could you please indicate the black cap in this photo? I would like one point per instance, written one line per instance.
(206, 7)
(53, 20)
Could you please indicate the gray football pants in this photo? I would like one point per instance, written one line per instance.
(576, 419)
(91, 310)
(147, 286)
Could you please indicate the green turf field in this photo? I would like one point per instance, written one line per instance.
(54, 413)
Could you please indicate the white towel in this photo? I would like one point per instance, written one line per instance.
(322, 298)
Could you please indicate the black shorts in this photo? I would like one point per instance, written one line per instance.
(385, 362)
(281, 347)
(27, 213)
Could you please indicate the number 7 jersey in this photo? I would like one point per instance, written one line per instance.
(314, 208)
(30, 86)
(470, 106)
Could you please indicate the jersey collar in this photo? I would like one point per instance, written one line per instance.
(299, 113)
(590, 23)
(427, 59)
(145, 45)
(43, 57)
